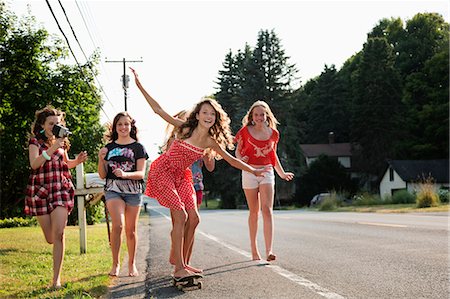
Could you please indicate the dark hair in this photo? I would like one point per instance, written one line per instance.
(41, 117)
(112, 135)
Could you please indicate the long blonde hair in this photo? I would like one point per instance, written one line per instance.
(272, 122)
(220, 131)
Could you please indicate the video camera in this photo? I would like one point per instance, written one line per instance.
(60, 131)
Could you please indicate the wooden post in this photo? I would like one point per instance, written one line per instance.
(81, 208)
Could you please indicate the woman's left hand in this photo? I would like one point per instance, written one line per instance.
(288, 176)
(119, 173)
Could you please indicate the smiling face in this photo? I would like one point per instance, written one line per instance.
(206, 116)
(50, 121)
(259, 115)
(123, 126)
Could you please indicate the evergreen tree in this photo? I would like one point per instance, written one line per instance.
(376, 104)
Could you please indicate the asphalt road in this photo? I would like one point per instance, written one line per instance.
(320, 254)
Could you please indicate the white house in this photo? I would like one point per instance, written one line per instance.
(407, 175)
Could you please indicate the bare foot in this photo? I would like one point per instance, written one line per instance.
(271, 257)
(182, 273)
(114, 271)
(256, 257)
(171, 260)
(55, 286)
(133, 271)
(192, 269)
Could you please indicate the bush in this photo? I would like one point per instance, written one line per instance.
(403, 196)
(329, 203)
(18, 222)
(366, 199)
(444, 195)
(94, 213)
(427, 197)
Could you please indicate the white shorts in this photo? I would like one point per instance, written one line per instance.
(251, 181)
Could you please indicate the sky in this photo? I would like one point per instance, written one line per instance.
(182, 44)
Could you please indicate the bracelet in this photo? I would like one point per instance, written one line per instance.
(45, 155)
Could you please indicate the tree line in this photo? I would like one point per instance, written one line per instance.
(389, 100)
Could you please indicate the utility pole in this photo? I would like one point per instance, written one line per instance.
(125, 77)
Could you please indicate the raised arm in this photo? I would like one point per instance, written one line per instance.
(154, 104)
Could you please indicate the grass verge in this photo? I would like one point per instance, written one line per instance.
(394, 208)
(26, 264)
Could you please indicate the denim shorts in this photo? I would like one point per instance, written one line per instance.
(129, 199)
(251, 181)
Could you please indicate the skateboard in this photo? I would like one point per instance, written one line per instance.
(188, 283)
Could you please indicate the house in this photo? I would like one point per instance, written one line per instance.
(341, 151)
(407, 175)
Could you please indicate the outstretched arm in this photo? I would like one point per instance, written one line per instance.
(154, 104)
(235, 162)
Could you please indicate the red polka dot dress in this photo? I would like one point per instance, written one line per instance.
(168, 180)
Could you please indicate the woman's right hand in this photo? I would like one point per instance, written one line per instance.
(262, 171)
(59, 142)
(102, 154)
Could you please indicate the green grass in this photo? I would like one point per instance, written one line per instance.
(26, 264)
(393, 208)
(213, 204)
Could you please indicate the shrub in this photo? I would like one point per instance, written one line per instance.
(427, 197)
(366, 199)
(329, 203)
(444, 195)
(403, 196)
(18, 222)
(94, 213)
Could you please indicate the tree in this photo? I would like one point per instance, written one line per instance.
(32, 77)
(328, 108)
(376, 105)
(262, 73)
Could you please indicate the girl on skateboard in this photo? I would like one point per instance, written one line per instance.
(257, 145)
(195, 173)
(207, 127)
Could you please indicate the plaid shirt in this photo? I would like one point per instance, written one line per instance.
(50, 185)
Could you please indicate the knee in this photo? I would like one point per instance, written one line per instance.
(180, 219)
(267, 211)
(58, 236)
(117, 227)
(131, 233)
(253, 215)
(194, 221)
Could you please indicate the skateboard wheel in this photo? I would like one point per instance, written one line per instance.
(200, 284)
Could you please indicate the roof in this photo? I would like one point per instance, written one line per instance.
(413, 170)
(329, 149)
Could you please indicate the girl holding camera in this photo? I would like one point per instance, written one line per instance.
(50, 191)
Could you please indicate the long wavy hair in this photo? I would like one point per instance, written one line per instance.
(171, 131)
(112, 135)
(220, 131)
(272, 122)
(37, 128)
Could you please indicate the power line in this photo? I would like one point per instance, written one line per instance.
(85, 56)
(73, 54)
